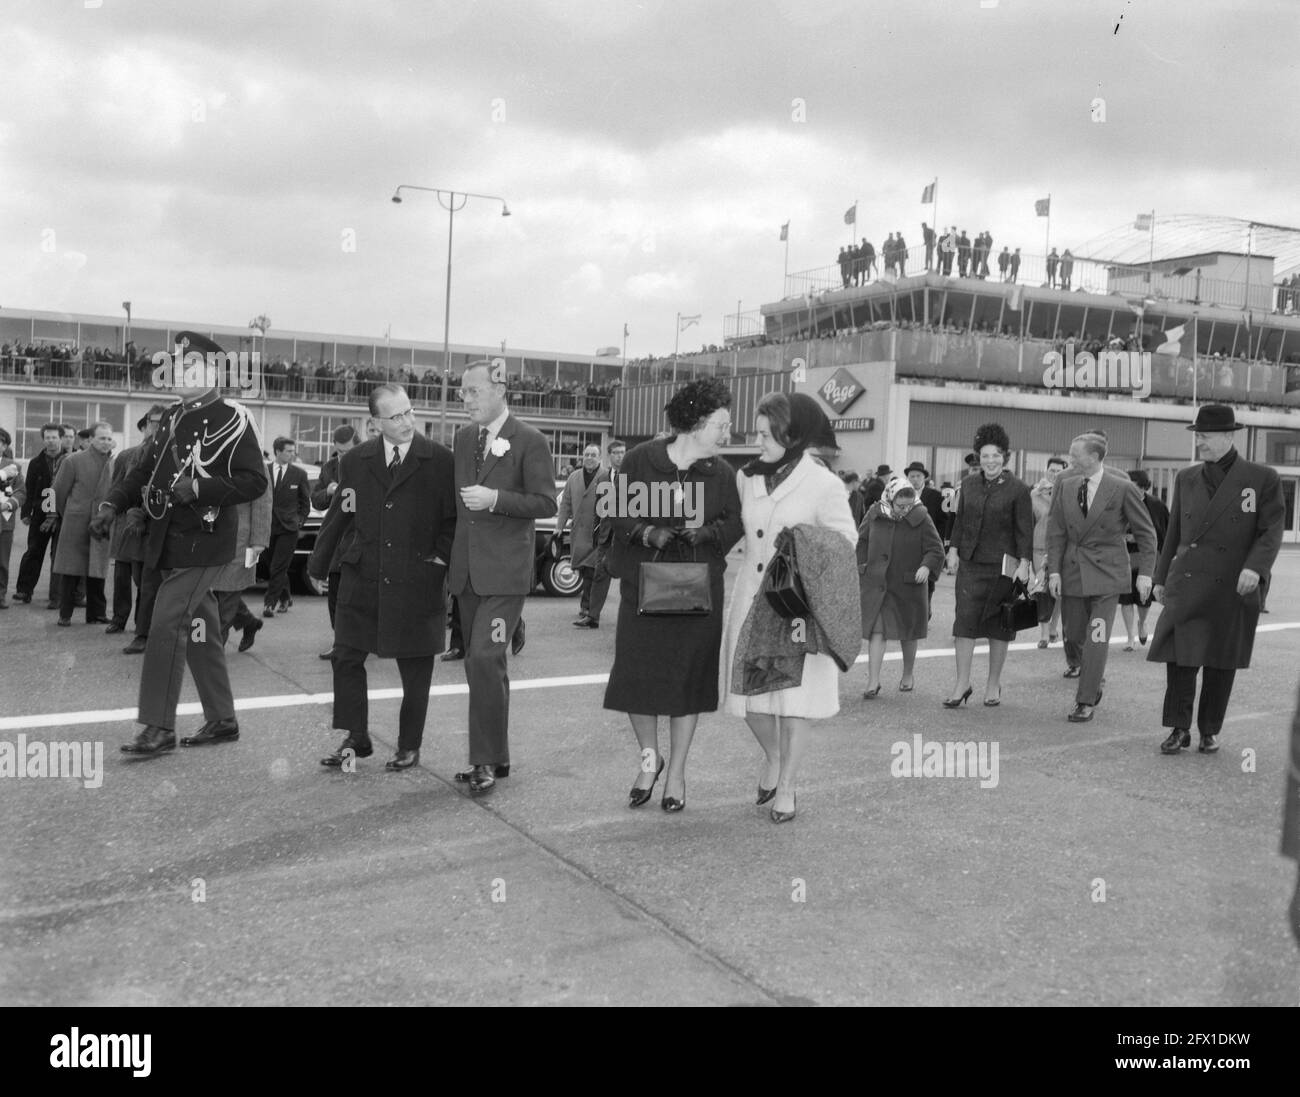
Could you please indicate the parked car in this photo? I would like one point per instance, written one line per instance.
(553, 570)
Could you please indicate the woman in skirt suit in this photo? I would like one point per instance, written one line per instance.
(898, 550)
(785, 486)
(995, 518)
(668, 666)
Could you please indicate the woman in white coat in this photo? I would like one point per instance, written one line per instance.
(785, 486)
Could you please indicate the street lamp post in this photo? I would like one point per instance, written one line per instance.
(451, 205)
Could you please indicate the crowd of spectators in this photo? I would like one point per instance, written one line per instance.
(309, 380)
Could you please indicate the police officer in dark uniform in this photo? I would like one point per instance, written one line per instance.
(204, 458)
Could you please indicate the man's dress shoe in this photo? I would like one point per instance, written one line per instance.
(518, 640)
(1081, 714)
(1178, 739)
(99, 621)
(268, 612)
(403, 759)
(65, 622)
(497, 771)
(360, 748)
(216, 731)
(250, 634)
(136, 646)
(1208, 744)
(114, 628)
(481, 780)
(1072, 672)
(151, 740)
(586, 622)
(452, 654)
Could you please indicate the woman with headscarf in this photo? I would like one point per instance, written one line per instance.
(668, 666)
(785, 486)
(898, 550)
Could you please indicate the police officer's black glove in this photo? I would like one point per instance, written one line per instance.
(183, 491)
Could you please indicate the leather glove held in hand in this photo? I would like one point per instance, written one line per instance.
(99, 526)
(698, 535)
(660, 537)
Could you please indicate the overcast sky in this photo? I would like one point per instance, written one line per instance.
(213, 161)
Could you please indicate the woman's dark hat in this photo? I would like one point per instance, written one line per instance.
(972, 459)
(1212, 418)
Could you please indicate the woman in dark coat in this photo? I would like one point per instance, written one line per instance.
(1160, 519)
(898, 550)
(995, 518)
(668, 666)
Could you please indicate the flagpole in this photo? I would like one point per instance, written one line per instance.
(1047, 240)
(934, 212)
(1195, 370)
(677, 338)
(625, 346)
(853, 233)
(1151, 262)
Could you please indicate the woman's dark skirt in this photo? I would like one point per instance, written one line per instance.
(1132, 598)
(665, 666)
(978, 587)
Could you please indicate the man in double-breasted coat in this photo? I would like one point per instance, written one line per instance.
(394, 514)
(81, 484)
(1225, 529)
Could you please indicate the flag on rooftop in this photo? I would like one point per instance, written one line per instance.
(1016, 298)
(1143, 222)
(785, 231)
(1043, 206)
(1172, 343)
(685, 322)
(927, 195)
(851, 215)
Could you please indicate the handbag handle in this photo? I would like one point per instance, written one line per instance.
(680, 554)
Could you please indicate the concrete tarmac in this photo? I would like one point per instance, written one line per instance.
(1095, 871)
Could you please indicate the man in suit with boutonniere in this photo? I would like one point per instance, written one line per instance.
(505, 480)
(1088, 561)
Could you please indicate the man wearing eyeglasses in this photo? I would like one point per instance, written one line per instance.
(389, 531)
(505, 480)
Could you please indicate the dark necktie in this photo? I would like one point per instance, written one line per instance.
(1083, 498)
(480, 449)
(395, 463)
(279, 475)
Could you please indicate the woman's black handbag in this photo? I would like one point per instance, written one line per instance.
(674, 588)
(1020, 611)
(782, 585)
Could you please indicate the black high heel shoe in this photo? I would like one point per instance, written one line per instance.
(765, 794)
(671, 803)
(785, 816)
(957, 702)
(870, 694)
(640, 796)
(996, 701)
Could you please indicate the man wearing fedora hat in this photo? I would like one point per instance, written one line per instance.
(874, 488)
(1225, 529)
(932, 499)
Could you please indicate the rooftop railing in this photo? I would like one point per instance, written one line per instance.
(125, 378)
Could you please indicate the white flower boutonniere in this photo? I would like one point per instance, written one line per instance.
(500, 447)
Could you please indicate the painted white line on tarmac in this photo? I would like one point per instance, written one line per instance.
(298, 700)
